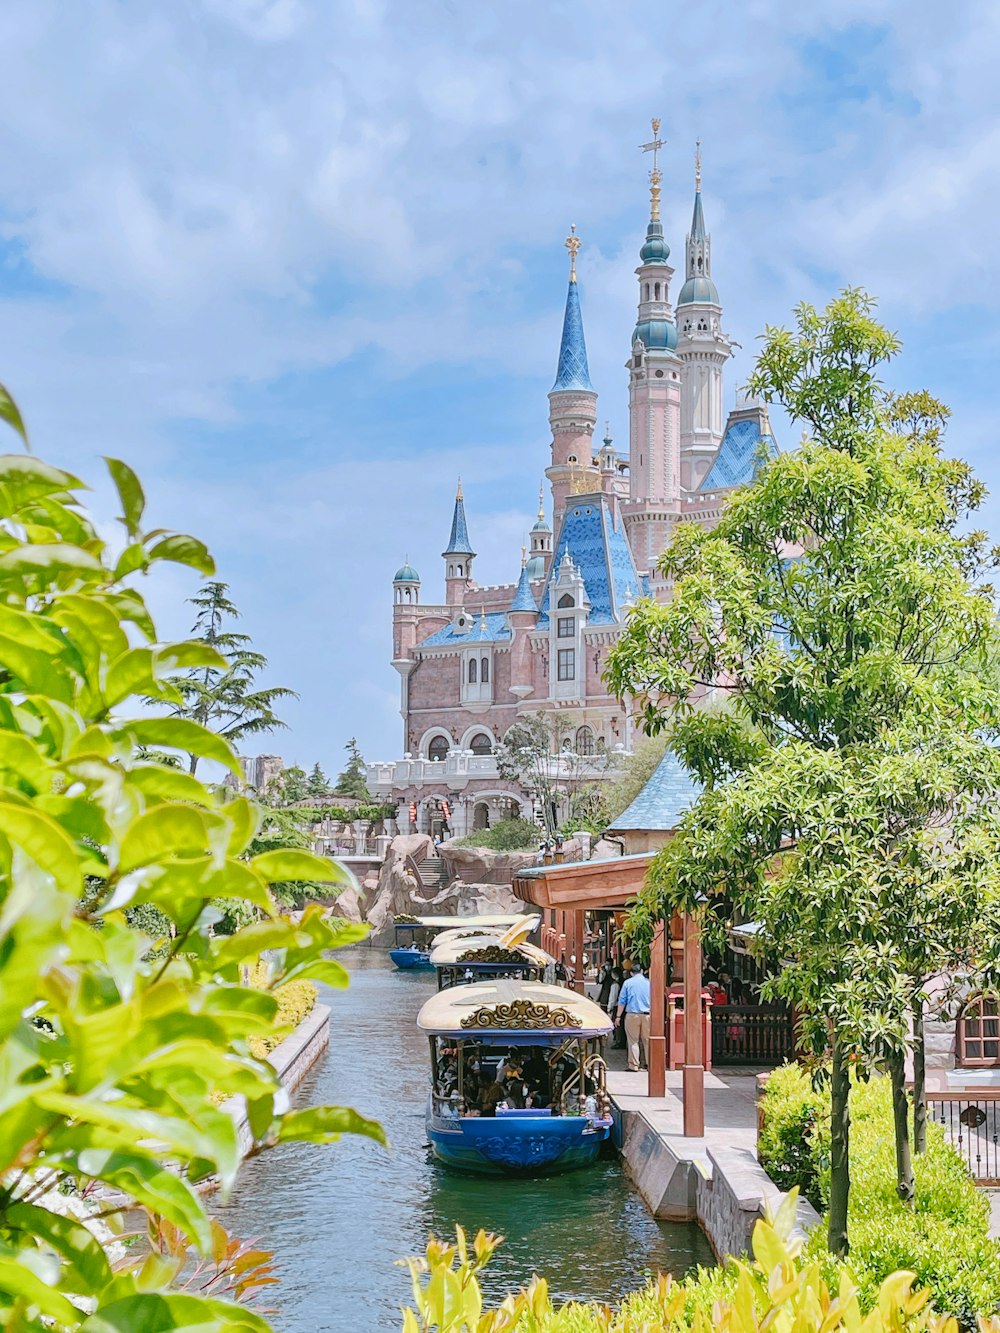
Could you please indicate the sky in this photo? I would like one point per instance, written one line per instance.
(300, 262)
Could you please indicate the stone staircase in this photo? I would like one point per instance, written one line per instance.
(433, 874)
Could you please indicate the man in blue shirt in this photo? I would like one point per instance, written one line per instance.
(633, 1002)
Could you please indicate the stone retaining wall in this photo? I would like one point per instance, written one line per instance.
(292, 1060)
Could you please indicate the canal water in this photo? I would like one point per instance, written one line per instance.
(338, 1217)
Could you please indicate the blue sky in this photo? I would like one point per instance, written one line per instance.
(300, 261)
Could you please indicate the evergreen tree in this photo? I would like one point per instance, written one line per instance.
(317, 783)
(353, 780)
(226, 699)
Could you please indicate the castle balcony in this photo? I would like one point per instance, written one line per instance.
(459, 767)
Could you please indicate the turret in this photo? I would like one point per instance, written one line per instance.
(654, 369)
(703, 349)
(458, 555)
(572, 402)
(541, 542)
(406, 584)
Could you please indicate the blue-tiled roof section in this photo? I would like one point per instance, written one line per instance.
(601, 553)
(740, 455)
(458, 543)
(523, 599)
(475, 631)
(573, 372)
(664, 800)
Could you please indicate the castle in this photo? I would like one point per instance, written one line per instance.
(473, 665)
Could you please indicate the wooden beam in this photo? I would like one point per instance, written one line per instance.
(657, 1084)
(694, 1065)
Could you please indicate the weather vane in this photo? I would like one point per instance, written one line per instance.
(655, 176)
(573, 244)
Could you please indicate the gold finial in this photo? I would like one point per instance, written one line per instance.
(655, 176)
(697, 166)
(482, 618)
(541, 502)
(458, 490)
(573, 244)
(524, 556)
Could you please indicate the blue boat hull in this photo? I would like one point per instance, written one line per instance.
(408, 959)
(521, 1146)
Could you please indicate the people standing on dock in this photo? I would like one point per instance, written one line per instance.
(633, 1004)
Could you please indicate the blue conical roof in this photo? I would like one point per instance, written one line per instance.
(523, 599)
(458, 543)
(698, 218)
(573, 372)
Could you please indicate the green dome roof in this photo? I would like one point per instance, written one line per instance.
(406, 574)
(536, 567)
(656, 333)
(702, 290)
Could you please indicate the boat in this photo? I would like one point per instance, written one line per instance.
(468, 957)
(414, 954)
(553, 1037)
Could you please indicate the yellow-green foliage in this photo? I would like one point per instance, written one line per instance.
(780, 1291)
(296, 1001)
(944, 1238)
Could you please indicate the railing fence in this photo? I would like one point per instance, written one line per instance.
(971, 1123)
(749, 1034)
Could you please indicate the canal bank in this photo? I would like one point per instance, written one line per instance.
(339, 1217)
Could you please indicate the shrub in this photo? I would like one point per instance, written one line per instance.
(509, 835)
(944, 1238)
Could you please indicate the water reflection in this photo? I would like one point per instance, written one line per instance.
(338, 1217)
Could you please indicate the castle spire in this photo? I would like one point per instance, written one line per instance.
(698, 285)
(458, 543)
(573, 371)
(655, 249)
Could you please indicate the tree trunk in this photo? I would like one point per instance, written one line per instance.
(901, 1128)
(840, 1165)
(919, 1076)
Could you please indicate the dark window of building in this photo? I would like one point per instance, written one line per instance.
(567, 664)
(564, 627)
(584, 740)
(978, 1036)
(565, 600)
(484, 673)
(472, 671)
(438, 748)
(656, 292)
(481, 744)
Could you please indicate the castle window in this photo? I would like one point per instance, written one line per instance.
(700, 263)
(438, 748)
(659, 374)
(484, 673)
(571, 458)
(977, 1040)
(565, 600)
(647, 291)
(565, 626)
(584, 741)
(472, 671)
(656, 291)
(481, 744)
(566, 664)
(637, 361)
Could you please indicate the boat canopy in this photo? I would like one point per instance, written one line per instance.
(497, 921)
(513, 928)
(512, 1011)
(448, 953)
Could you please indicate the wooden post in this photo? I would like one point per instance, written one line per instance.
(657, 1085)
(694, 1068)
(579, 932)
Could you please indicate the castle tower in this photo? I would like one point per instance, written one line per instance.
(654, 390)
(523, 616)
(572, 403)
(703, 349)
(458, 555)
(405, 619)
(541, 542)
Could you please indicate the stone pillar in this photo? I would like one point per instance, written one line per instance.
(694, 1067)
(360, 827)
(657, 1042)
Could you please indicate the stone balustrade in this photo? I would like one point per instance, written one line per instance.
(458, 766)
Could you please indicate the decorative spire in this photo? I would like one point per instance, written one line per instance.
(541, 502)
(573, 244)
(482, 620)
(523, 598)
(458, 543)
(573, 371)
(697, 166)
(607, 434)
(698, 232)
(655, 176)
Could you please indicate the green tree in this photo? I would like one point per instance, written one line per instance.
(317, 784)
(353, 781)
(289, 786)
(537, 752)
(843, 607)
(114, 1055)
(225, 697)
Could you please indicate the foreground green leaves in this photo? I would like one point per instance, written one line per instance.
(116, 1049)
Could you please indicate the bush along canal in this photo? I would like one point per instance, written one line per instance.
(338, 1217)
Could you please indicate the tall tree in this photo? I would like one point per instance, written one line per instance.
(537, 752)
(317, 783)
(353, 781)
(226, 699)
(842, 606)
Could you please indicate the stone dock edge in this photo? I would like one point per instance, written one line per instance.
(724, 1189)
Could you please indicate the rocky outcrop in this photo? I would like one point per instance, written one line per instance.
(460, 899)
(350, 905)
(399, 889)
(481, 865)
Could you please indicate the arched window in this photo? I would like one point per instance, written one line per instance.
(977, 1040)
(481, 744)
(647, 291)
(438, 748)
(472, 671)
(584, 740)
(484, 672)
(565, 600)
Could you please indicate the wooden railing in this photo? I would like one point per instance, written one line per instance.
(750, 1034)
(971, 1123)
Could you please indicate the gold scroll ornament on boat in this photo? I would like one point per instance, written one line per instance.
(521, 1014)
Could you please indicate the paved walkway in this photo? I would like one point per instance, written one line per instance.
(730, 1109)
